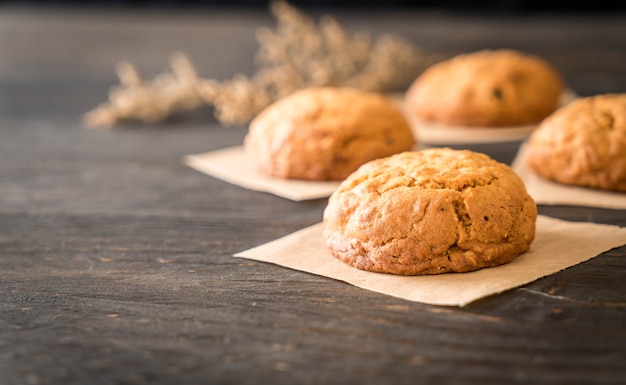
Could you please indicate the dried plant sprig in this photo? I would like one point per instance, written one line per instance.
(297, 54)
(148, 101)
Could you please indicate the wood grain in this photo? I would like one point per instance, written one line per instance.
(115, 259)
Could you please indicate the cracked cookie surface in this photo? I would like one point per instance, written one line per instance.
(486, 88)
(430, 212)
(326, 133)
(583, 144)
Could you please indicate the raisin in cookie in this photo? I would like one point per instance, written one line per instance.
(430, 212)
(583, 144)
(486, 88)
(326, 133)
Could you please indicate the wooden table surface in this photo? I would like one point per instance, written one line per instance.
(116, 260)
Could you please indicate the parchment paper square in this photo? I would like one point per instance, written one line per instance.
(430, 133)
(558, 245)
(546, 192)
(234, 166)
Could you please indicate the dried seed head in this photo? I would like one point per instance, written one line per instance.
(297, 54)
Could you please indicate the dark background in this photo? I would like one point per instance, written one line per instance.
(494, 6)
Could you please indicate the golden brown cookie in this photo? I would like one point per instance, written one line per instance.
(583, 144)
(326, 133)
(486, 88)
(430, 212)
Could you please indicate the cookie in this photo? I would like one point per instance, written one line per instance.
(326, 133)
(583, 144)
(430, 212)
(487, 88)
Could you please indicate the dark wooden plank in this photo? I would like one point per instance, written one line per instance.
(148, 299)
(116, 260)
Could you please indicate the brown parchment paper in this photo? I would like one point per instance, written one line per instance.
(558, 245)
(234, 166)
(551, 193)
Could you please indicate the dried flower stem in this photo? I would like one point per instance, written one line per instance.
(296, 55)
